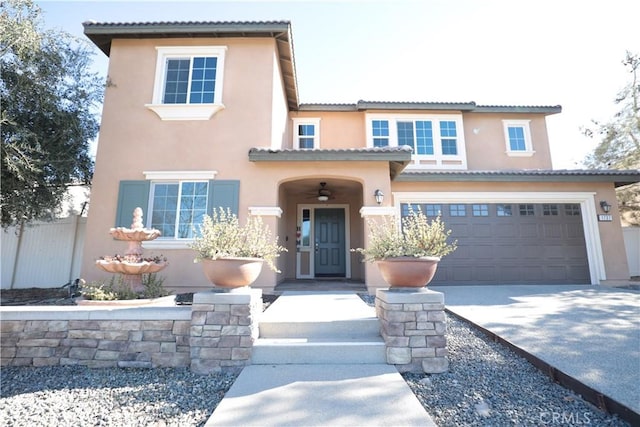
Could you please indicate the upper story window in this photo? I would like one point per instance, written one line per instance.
(517, 136)
(306, 133)
(436, 140)
(380, 130)
(188, 82)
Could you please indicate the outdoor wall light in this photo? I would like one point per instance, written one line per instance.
(606, 207)
(379, 195)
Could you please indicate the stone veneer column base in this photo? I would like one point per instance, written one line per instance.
(224, 325)
(413, 328)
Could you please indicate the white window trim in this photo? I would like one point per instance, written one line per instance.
(186, 111)
(585, 199)
(525, 124)
(306, 121)
(459, 161)
(179, 175)
(265, 211)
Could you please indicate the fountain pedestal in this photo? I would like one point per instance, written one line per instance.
(132, 265)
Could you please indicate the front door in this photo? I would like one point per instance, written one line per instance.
(329, 243)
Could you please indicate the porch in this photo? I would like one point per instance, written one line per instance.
(321, 285)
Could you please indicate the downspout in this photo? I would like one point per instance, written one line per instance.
(75, 241)
(15, 260)
(73, 248)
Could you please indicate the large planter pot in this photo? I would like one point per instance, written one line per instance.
(232, 272)
(408, 272)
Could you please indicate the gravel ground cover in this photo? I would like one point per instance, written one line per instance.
(487, 385)
(79, 396)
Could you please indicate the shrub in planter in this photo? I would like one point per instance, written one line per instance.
(222, 237)
(417, 239)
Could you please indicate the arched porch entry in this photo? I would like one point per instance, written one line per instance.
(322, 223)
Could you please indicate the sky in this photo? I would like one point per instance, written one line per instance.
(492, 52)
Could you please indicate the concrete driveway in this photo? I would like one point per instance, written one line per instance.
(591, 333)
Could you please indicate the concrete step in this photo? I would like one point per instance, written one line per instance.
(328, 328)
(338, 329)
(311, 351)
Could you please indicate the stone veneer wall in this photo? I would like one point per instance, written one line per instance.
(140, 337)
(413, 328)
(223, 329)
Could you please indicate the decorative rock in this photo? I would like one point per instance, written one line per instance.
(435, 365)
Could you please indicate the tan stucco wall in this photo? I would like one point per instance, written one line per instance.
(486, 145)
(483, 135)
(338, 130)
(133, 139)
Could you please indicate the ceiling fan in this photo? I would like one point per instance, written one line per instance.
(323, 194)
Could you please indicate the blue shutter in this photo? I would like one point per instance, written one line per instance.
(132, 194)
(225, 194)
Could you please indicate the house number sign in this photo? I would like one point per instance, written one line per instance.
(605, 218)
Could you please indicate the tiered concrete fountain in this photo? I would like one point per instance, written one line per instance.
(132, 265)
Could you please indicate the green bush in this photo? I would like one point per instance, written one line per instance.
(418, 237)
(222, 236)
(116, 289)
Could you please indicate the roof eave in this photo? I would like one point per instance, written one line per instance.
(618, 180)
(398, 159)
(519, 109)
(102, 34)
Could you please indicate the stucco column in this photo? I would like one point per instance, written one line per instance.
(372, 277)
(268, 278)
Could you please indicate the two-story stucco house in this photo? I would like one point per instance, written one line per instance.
(204, 114)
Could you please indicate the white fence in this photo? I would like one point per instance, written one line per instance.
(44, 255)
(632, 244)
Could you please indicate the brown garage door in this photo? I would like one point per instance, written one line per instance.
(512, 244)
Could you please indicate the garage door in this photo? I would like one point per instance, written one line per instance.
(512, 244)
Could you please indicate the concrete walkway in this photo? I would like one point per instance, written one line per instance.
(591, 333)
(320, 395)
(326, 394)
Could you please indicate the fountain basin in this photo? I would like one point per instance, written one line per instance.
(126, 267)
(136, 235)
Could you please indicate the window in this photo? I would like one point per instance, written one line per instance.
(306, 133)
(427, 209)
(306, 228)
(380, 130)
(195, 77)
(572, 209)
(188, 82)
(480, 210)
(526, 210)
(549, 210)
(432, 210)
(448, 138)
(177, 208)
(503, 210)
(457, 210)
(436, 140)
(518, 138)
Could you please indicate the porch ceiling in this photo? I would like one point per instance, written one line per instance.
(307, 188)
(398, 157)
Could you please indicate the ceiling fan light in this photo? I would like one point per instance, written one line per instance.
(323, 198)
